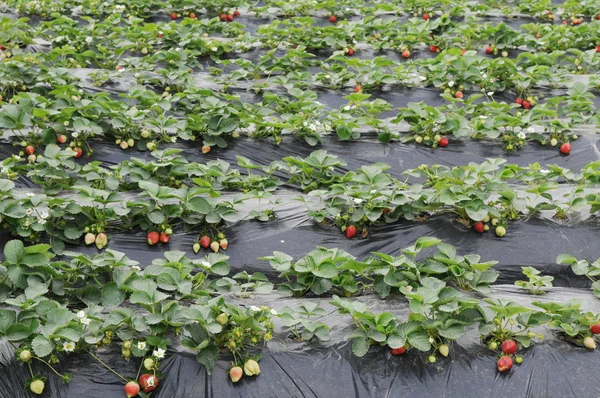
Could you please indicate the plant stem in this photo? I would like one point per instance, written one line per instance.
(50, 366)
(106, 366)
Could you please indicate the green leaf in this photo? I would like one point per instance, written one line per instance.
(41, 346)
(13, 251)
(360, 346)
(111, 295)
(419, 340)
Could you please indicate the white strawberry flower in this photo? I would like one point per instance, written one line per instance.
(273, 312)
(68, 346)
(30, 194)
(450, 83)
(206, 264)
(521, 135)
(255, 308)
(88, 40)
(136, 268)
(85, 321)
(141, 345)
(159, 353)
(81, 314)
(358, 201)
(29, 212)
(490, 93)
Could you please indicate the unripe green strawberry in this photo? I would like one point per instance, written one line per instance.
(37, 387)
(251, 368)
(589, 343)
(196, 247)
(214, 246)
(149, 363)
(222, 319)
(531, 335)
(500, 231)
(444, 350)
(493, 346)
(101, 240)
(25, 355)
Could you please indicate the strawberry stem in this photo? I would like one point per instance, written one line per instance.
(50, 366)
(106, 366)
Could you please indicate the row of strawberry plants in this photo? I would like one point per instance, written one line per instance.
(571, 11)
(202, 197)
(52, 309)
(33, 120)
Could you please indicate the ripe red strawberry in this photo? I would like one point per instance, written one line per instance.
(223, 17)
(173, 16)
(132, 389)
(61, 138)
(489, 50)
(595, 328)
(205, 242)
(152, 238)
(230, 17)
(434, 49)
(2, 48)
(160, 35)
(164, 238)
(479, 227)
(398, 351)
(459, 94)
(236, 13)
(463, 51)
(405, 54)
(505, 363)
(526, 104)
(357, 89)
(598, 49)
(564, 22)
(206, 149)
(148, 382)
(119, 67)
(565, 148)
(443, 142)
(192, 15)
(29, 150)
(78, 153)
(425, 17)
(519, 101)
(350, 231)
(351, 51)
(537, 35)
(509, 347)
(333, 19)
